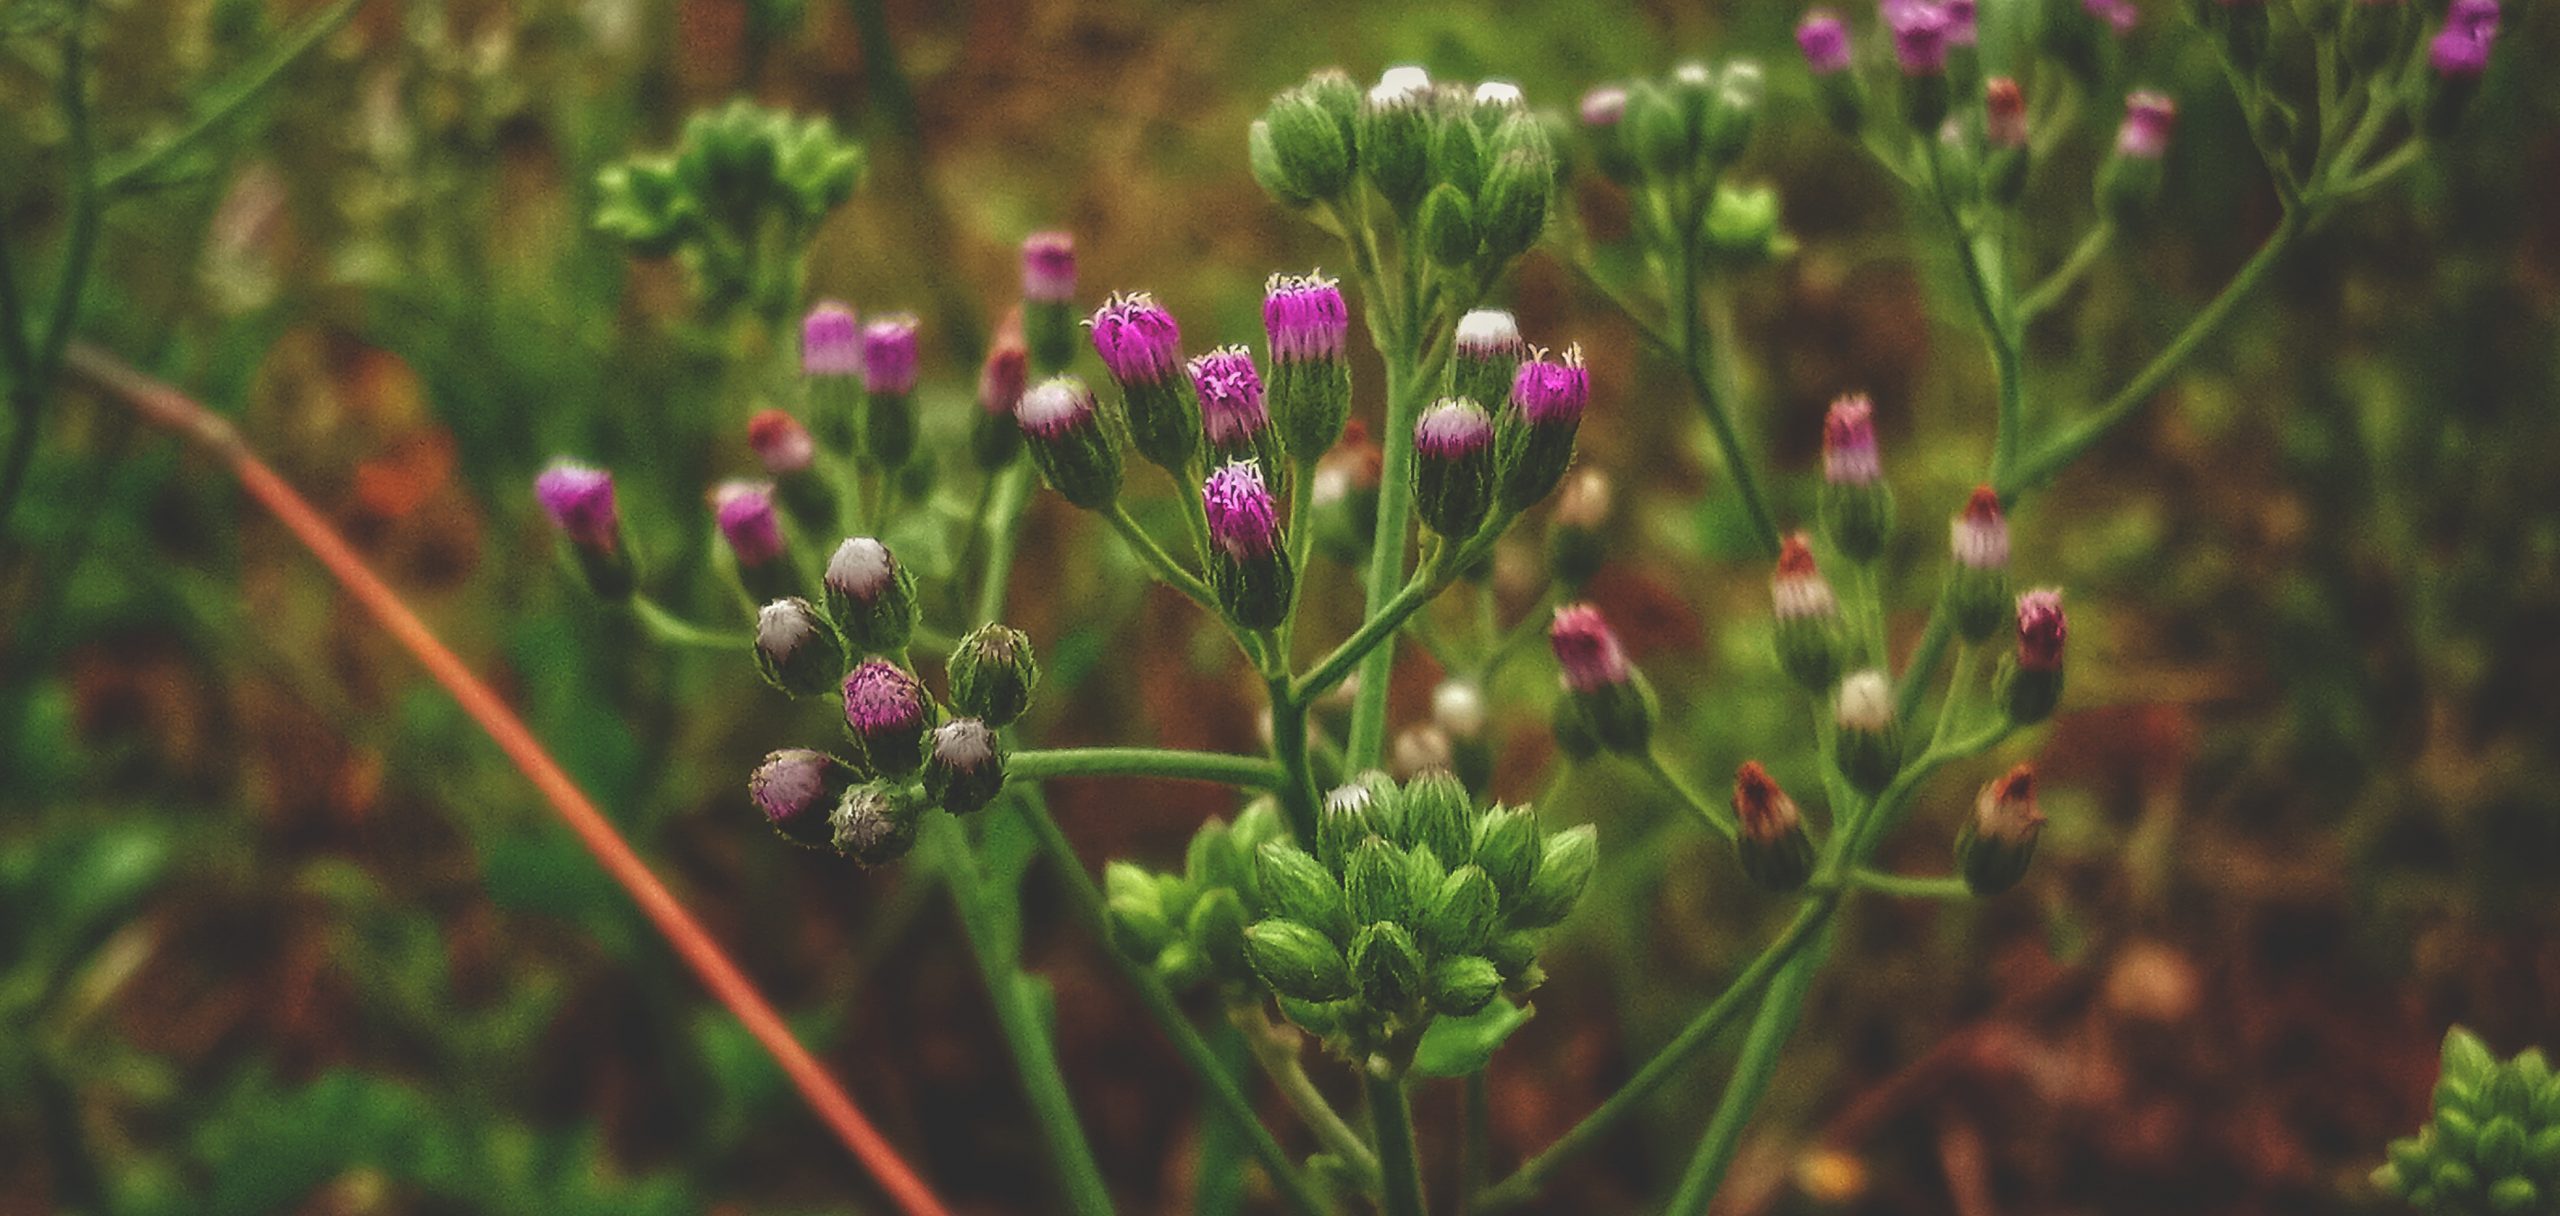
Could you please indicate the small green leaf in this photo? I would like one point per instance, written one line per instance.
(1454, 1047)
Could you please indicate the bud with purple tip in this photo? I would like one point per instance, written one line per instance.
(871, 596)
(1998, 840)
(1062, 425)
(1856, 506)
(1534, 445)
(1141, 346)
(994, 439)
(2459, 56)
(886, 714)
(1922, 35)
(1824, 38)
(1977, 587)
(796, 649)
(1604, 123)
(993, 673)
(1775, 852)
(1232, 413)
(753, 530)
(1610, 701)
(1453, 467)
(789, 455)
(1248, 564)
(579, 500)
(2030, 681)
(2130, 179)
(831, 371)
(889, 368)
(875, 824)
(1808, 616)
(1867, 746)
(1306, 321)
(1049, 299)
(964, 766)
(1484, 355)
(2004, 131)
(798, 790)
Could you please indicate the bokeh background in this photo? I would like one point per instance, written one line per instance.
(279, 932)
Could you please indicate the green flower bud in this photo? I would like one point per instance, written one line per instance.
(1775, 852)
(1513, 207)
(1387, 967)
(1297, 887)
(1733, 110)
(1319, 1018)
(2515, 1197)
(1977, 587)
(1139, 924)
(1212, 859)
(1333, 92)
(1513, 954)
(1395, 136)
(1856, 506)
(1439, 816)
(1062, 426)
(1181, 965)
(1352, 814)
(1262, 156)
(1658, 131)
(1740, 227)
(1298, 962)
(871, 597)
(1460, 915)
(1459, 158)
(1462, 985)
(1453, 467)
(875, 824)
(2029, 681)
(1997, 841)
(993, 674)
(1564, 870)
(1308, 144)
(1216, 928)
(1507, 848)
(1809, 626)
(1375, 879)
(796, 650)
(1448, 226)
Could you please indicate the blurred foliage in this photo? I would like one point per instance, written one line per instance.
(279, 932)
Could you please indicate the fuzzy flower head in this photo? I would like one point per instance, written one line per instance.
(1797, 590)
(1405, 84)
(1454, 429)
(796, 788)
(1243, 520)
(1500, 95)
(880, 697)
(2461, 48)
(2042, 630)
(861, 568)
(1849, 455)
(1137, 339)
(1979, 535)
(1766, 813)
(889, 355)
(1049, 267)
(1007, 370)
(1588, 650)
(830, 341)
(2148, 119)
(1231, 405)
(1922, 33)
(2119, 16)
(2005, 813)
(784, 626)
(1865, 702)
(1552, 390)
(1489, 333)
(1054, 407)
(2004, 113)
(744, 511)
(1825, 40)
(781, 444)
(579, 500)
(964, 744)
(1305, 317)
(1962, 22)
(1604, 106)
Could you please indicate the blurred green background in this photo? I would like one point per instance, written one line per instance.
(280, 932)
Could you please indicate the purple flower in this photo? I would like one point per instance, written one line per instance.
(1961, 17)
(2117, 15)
(1552, 390)
(1305, 318)
(781, 444)
(797, 789)
(1049, 267)
(2461, 48)
(1137, 339)
(744, 511)
(1604, 106)
(1054, 407)
(830, 342)
(1849, 454)
(880, 697)
(889, 355)
(2480, 17)
(1242, 519)
(579, 500)
(1231, 406)
(1825, 40)
(2148, 119)
(1979, 537)
(1452, 430)
(2042, 629)
(1587, 650)
(1922, 32)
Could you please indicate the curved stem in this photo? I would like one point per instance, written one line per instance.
(1297, 782)
(1697, 359)
(1717, 817)
(667, 627)
(1910, 886)
(1368, 638)
(1399, 1164)
(1004, 539)
(134, 166)
(1166, 568)
(2077, 263)
(1247, 772)
(1275, 1050)
(1779, 1012)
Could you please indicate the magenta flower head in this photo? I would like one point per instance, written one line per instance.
(1856, 507)
(1808, 616)
(797, 789)
(579, 500)
(1231, 406)
(1062, 425)
(2119, 16)
(1849, 453)
(830, 341)
(781, 444)
(1922, 33)
(1962, 28)
(1049, 267)
(886, 715)
(1453, 467)
(1535, 444)
(2148, 119)
(1306, 321)
(1248, 565)
(1825, 40)
(1142, 346)
(2031, 681)
(1305, 318)
(1977, 587)
(1606, 698)
(889, 355)
(2478, 17)
(1979, 534)
(2461, 49)
(744, 511)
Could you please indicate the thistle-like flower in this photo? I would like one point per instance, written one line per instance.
(795, 648)
(993, 673)
(886, 714)
(1611, 699)
(1977, 587)
(798, 790)
(1485, 354)
(1868, 748)
(753, 530)
(889, 365)
(1453, 467)
(1306, 322)
(579, 500)
(1996, 841)
(1392, 141)
(870, 596)
(1048, 299)
(1824, 38)
(1232, 413)
(1062, 425)
(2031, 680)
(1535, 444)
(1808, 616)
(1922, 33)
(964, 765)
(830, 341)
(1772, 846)
(1141, 346)
(2149, 117)
(874, 824)
(781, 444)
(994, 439)
(1856, 506)
(1248, 564)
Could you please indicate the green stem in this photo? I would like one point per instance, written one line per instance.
(2078, 262)
(35, 392)
(1779, 1012)
(1223, 1092)
(1717, 817)
(1275, 1050)
(1477, 1145)
(1248, 772)
(1370, 638)
(1697, 359)
(1924, 664)
(1003, 541)
(1166, 568)
(673, 630)
(1386, 568)
(1910, 886)
(1297, 783)
(134, 166)
(1399, 1164)
(1524, 1183)
(994, 939)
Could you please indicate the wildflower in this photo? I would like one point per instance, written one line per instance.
(1824, 39)
(1394, 136)
(1231, 404)
(1048, 298)
(994, 439)
(1248, 565)
(1576, 531)
(1775, 852)
(1063, 428)
(885, 714)
(1484, 355)
(831, 371)
(964, 766)
(1305, 320)
(889, 381)
(744, 512)
(1977, 587)
(1996, 841)
(1856, 506)
(2031, 681)
(1453, 467)
(1140, 345)
(795, 648)
(871, 596)
(1609, 695)
(798, 789)
(874, 824)
(993, 674)
(1808, 616)
(1868, 748)
(1535, 445)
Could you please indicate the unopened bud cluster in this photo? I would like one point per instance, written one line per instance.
(2492, 1147)
(1676, 138)
(1189, 927)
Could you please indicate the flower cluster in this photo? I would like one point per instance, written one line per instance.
(739, 176)
(2493, 1146)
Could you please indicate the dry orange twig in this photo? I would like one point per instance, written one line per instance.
(168, 407)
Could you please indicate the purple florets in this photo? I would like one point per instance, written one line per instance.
(1137, 339)
(830, 341)
(744, 511)
(2461, 48)
(1304, 316)
(1825, 40)
(1231, 406)
(1552, 390)
(1242, 518)
(1049, 267)
(579, 500)
(1587, 649)
(2148, 119)
(880, 697)
(1849, 453)
(889, 355)
(1922, 33)
(2118, 15)
(1453, 429)
(2042, 630)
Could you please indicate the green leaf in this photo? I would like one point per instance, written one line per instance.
(1454, 1047)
